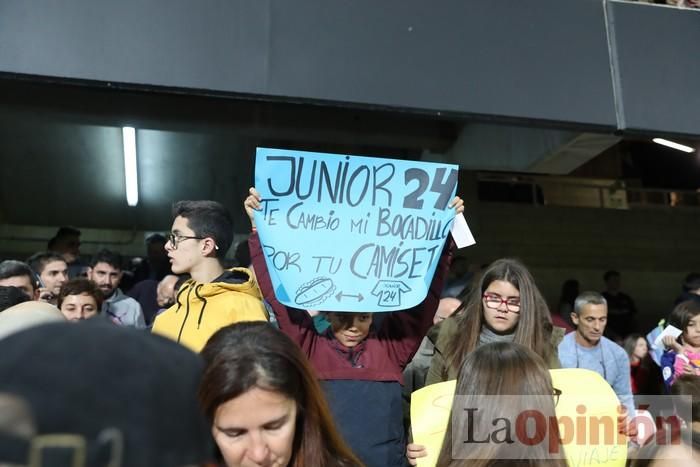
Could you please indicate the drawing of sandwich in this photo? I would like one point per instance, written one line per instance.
(314, 292)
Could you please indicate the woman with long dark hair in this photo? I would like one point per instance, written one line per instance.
(488, 378)
(507, 306)
(637, 349)
(265, 403)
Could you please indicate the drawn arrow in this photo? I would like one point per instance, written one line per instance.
(340, 296)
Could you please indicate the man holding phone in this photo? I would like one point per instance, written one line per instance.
(51, 271)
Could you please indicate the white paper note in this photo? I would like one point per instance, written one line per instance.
(670, 330)
(460, 232)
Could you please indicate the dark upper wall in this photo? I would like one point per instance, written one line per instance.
(546, 60)
(658, 66)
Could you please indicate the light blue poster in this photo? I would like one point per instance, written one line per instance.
(351, 233)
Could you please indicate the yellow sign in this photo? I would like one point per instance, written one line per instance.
(430, 412)
(586, 410)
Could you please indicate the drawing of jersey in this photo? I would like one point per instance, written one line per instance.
(389, 292)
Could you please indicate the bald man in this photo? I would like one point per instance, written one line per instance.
(165, 291)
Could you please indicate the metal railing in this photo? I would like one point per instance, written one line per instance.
(576, 192)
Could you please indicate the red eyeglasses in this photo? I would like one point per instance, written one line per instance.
(494, 302)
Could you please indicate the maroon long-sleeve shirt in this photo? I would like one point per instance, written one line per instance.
(385, 352)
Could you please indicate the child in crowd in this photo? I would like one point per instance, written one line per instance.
(677, 443)
(683, 354)
(80, 299)
(359, 364)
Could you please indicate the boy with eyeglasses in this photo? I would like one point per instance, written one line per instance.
(214, 297)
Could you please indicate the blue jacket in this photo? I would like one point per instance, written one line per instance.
(668, 358)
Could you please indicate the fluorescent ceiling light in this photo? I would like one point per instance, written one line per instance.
(671, 144)
(132, 186)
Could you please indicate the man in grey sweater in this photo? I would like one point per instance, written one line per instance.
(106, 271)
(588, 348)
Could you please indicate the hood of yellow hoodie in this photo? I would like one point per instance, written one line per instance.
(236, 279)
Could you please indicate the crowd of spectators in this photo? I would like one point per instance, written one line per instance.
(181, 360)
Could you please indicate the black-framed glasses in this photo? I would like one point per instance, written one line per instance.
(494, 301)
(176, 239)
(556, 393)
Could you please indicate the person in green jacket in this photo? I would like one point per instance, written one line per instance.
(506, 306)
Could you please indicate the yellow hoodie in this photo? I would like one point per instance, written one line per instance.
(201, 309)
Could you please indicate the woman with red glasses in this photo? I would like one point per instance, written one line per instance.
(506, 306)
